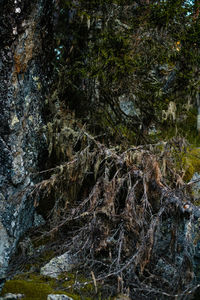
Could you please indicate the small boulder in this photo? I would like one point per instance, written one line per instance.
(11, 296)
(58, 265)
(58, 297)
(196, 186)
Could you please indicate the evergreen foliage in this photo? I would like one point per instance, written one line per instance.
(145, 54)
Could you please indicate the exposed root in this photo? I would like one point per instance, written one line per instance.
(126, 219)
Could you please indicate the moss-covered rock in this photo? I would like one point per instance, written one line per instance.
(37, 287)
(31, 289)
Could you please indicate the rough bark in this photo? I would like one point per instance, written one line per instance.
(25, 28)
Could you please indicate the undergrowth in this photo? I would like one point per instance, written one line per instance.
(114, 207)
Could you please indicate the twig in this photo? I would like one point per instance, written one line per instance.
(95, 282)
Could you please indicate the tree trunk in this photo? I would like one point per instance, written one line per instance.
(25, 29)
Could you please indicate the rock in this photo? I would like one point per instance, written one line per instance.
(10, 296)
(26, 247)
(23, 79)
(58, 265)
(58, 297)
(127, 106)
(168, 270)
(38, 220)
(196, 186)
(5, 246)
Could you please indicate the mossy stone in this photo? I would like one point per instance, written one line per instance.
(38, 287)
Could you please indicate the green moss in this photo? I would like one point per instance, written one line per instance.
(85, 285)
(197, 203)
(32, 289)
(191, 163)
(37, 287)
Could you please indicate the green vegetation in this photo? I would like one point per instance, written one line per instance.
(36, 287)
(191, 163)
(146, 53)
(32, 289)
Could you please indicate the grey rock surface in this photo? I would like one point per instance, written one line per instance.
(11, 296)
(58, 297)
(196, 185)
(58, 265)
(179, 255)
(23, 81)
(127, 106)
